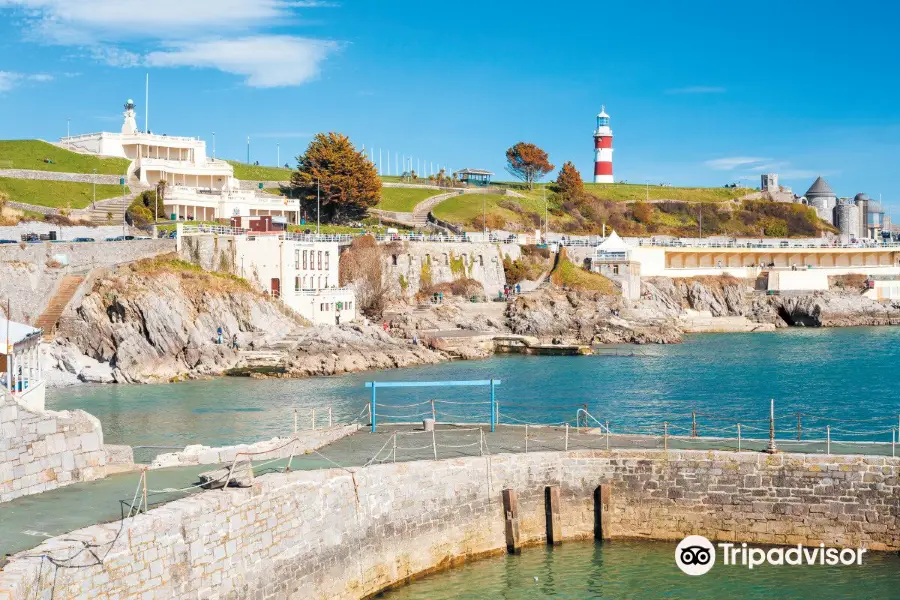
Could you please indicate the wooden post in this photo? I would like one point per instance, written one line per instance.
(799, 426)
(567, 437)
(551, 510)
(828, 439)
(330, 420)
(607, 435)
(772, 449)
(739, 436)
(432, 411)
(511, 512)
(602, 512)
(693, 424)
(314, 419)
(666, 436)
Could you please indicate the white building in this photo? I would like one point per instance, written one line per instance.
(20, 364)
(198, 187)
(304, 274)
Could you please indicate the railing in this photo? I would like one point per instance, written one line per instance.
(340, 238)
(219, 229)
(324, 292)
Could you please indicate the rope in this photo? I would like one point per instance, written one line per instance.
(453, 416)
(416, 416)
(402, 405)
(461, 446)
(414, 448)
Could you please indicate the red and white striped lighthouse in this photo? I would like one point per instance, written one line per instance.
(603, 136)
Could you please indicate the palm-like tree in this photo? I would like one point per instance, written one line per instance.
(161, 186)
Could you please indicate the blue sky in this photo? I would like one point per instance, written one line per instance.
(700, 93)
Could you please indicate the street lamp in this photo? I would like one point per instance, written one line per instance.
(94, 184)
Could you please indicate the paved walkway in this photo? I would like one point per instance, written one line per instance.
(26, 522)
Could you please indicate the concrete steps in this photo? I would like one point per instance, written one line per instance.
(50, 317)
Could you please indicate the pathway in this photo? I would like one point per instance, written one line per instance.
(54, 310)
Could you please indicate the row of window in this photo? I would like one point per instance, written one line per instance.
(309, 283)
(310, 260)
(330, 306)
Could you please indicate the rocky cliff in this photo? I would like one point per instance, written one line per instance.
(158, 321)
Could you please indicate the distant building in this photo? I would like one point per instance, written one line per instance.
(21, 374)
(821, 197)
(769, 182)
(197, 187)
(474, 176)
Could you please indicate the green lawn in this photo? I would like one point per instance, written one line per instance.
(404, 199)
(58, 194)
(260, 172)
(30, 154)
(627, 192)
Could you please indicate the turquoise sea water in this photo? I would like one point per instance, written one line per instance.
(846, 375)
(636, 570)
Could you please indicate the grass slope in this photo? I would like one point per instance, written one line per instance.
(30, 154)
(57, 194)
(628, 192)
(572, 277)
(259, 172)
(403, 199)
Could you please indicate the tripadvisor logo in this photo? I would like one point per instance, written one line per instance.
(696, 555)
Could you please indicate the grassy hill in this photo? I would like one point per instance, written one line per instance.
(57, 194)
(259, 172)
(31, 154)
(622, 207)
(404, 199)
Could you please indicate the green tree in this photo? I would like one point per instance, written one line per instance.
(569, 182)
(348, 182)
(527, 162)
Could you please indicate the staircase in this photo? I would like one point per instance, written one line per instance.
(112, 211)
(50, 317)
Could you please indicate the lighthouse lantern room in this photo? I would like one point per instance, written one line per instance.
(603, 168)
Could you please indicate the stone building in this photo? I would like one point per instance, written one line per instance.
(821, 197)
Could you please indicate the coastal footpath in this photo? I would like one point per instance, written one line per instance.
(351, 533)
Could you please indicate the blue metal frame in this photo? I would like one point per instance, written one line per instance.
(493, 383)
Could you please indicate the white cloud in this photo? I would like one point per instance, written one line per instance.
(733, 162)
(233, 36)
(265, 61)
(698, 89)
(10, 79)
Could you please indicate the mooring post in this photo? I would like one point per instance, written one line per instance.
(739, 436)
(433, 443)
(511, 513)
(567, 437)
(772, 449)
(799, 426)
(432, 411)
(602, 513)
(666, 436)
(828, 439)
(551, 510)
(144, 479)
(493, 407)
(372, 407)
(526, 438)
(693, 424)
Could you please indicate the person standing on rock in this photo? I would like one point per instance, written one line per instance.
(219, 333)
(337, 318)
(234, 342)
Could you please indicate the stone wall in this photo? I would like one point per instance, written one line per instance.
(46, 450)
(99, 233)
(406, 263)
(32, 272)
(348, 533)
(55, 176)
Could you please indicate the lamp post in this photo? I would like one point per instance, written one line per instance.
(483, 216)
(94, 184)
(248, 149)
(546, 215)
(318, 208)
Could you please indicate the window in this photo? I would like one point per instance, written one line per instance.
(320, 260)
(320, 282)
(446, 259)
(297, 260)
(297, 283)
(394, 259)
(326, 262)
(615, 269)
(304, 282)
(480, 260)
(326, 281)
(304, 260)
